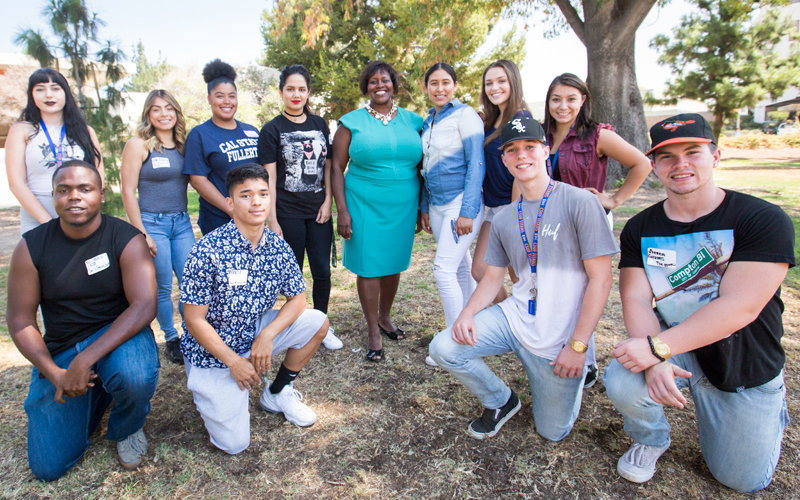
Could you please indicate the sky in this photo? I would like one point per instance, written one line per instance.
(192, 32)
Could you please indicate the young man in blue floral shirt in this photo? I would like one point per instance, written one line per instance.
(232, 279)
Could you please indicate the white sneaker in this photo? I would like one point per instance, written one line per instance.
(131, 450)
(331, 341)
(289, 402)
(430, 362)
(638, 464)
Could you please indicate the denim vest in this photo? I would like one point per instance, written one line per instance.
(578, 164)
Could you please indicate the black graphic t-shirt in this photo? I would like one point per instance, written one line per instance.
(685, 263)
(299, 151)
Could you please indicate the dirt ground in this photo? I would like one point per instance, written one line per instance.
(392, 430)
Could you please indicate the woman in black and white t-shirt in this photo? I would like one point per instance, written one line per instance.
(294, 147)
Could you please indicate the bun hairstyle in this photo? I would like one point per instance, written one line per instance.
(217, 72)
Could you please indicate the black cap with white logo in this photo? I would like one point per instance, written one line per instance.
(521, 128)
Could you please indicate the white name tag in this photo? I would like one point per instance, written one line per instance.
(97, 264)
(658, 257)
(237, 277)
(251, 133)
(160, 162)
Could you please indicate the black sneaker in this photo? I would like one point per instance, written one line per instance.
(492, 420)
(173, 351)
(591, 377)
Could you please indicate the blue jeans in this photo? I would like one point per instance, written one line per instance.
(174, 237)
(58, 433)
(740, 432)
(556, 401)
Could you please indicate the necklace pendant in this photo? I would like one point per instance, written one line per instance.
(385, 121)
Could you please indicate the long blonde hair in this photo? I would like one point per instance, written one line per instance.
(147, 132)
(516, 102)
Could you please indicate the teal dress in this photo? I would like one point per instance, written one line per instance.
(382, 192)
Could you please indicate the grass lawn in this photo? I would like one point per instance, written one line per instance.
(398, 429)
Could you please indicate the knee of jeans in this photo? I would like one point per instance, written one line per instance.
(138, 385)
(441, 349)
(51, 470)
(553, 433)
(623, 387)
(442, 274)
(734, 478)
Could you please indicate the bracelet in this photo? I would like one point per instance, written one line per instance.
(653, 349)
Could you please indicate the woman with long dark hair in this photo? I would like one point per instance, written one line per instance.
(293, 147)
(377, 199)
(451, 205)
(152, 164)
(217, 145)
(50, 131)
(579, 151)
(502, 101)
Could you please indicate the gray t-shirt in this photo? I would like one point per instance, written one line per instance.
(573, 229)
(162, 183)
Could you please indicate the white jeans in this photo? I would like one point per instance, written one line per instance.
(222, 405)
(452, 266)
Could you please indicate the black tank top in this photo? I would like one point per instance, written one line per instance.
(80, 280)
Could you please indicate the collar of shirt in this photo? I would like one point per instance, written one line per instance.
(236, 237)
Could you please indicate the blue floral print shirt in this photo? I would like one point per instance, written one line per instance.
(239, 284)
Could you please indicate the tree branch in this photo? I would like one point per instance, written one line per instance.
(572, 17)
(634, 12)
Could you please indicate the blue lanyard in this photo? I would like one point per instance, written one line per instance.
(532, 253)
(57, 152)
(551, 165)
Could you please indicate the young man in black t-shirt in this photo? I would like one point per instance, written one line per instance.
(94, 279)
(713, 260)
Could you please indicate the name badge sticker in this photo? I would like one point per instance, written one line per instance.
(658, 257)
(160, 162)
(97, 264)
(251, 133)
(237, 277)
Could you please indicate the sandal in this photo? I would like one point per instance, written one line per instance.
(395, 335)
(374, 355)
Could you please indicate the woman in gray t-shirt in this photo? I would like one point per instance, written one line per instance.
(152, 164)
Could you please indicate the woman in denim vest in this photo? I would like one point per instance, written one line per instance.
(580, 148)
(152, 164)
(451, 204)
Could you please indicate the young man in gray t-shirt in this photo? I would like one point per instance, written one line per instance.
(562, 254)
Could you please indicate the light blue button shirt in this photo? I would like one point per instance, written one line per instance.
(452, 162)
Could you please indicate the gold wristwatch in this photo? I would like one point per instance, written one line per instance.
(578, 346)
(659, 348)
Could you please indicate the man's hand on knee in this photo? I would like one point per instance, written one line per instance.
(661, 384)
(464, 331)
(261, 353)
(244, 373)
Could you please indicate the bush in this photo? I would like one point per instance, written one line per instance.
(760, 140)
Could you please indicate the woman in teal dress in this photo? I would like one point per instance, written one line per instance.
(377, 199)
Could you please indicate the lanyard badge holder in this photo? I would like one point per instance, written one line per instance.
(57, 152)
(532, 253)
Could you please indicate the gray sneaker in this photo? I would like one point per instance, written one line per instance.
(131, 450)
(638, 464)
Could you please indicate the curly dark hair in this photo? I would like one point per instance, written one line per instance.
(374, 67)
(75, 126)
(218, 71)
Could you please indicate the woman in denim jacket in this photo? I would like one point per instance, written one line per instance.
(453, 169)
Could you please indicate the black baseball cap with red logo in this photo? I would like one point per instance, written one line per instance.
(686, 127)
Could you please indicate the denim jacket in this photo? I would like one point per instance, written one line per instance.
(452, 162)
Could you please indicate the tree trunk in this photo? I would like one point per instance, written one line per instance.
(616, 98)
(608, 31)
